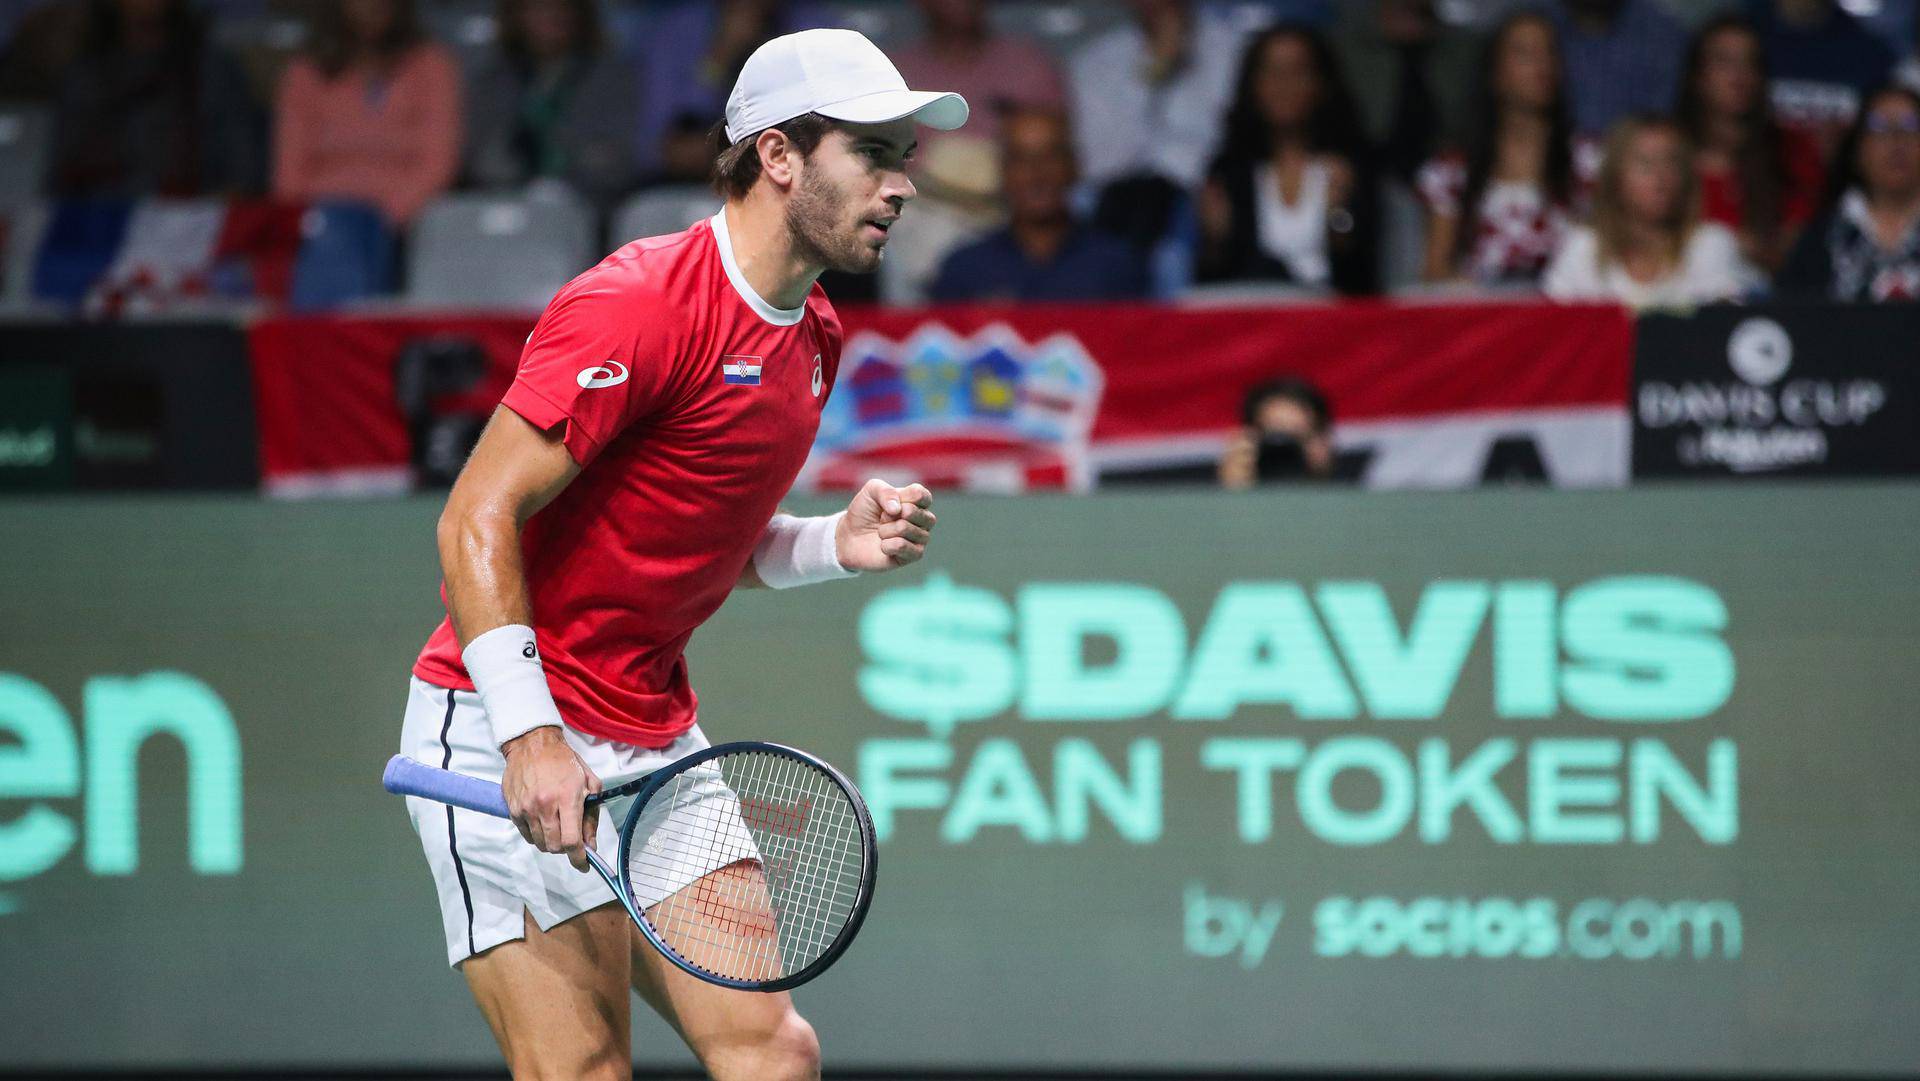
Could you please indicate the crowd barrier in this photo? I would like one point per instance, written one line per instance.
(1033, 398)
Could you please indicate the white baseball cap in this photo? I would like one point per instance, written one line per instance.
(836, 73)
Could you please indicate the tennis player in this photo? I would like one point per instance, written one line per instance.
(628, 482)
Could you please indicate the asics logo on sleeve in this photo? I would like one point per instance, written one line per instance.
(611, 374)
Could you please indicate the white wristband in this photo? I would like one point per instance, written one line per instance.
(799, 551)
(506, 671)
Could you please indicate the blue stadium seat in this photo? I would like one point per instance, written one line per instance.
(81, 239)
(346, 255)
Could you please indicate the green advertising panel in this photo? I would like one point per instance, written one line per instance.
(1488, 780)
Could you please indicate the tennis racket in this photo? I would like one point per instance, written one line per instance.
(748, 865)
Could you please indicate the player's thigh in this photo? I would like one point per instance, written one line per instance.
(557, 999)
(736, 1034)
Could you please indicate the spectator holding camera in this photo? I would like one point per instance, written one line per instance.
(1758, 178)
(1866, 247)
(372, 112)
(1286, 433)
(1497, 211)
(1646, 245)
(1290, 198)
(553, 105)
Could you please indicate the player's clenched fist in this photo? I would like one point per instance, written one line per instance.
(884, 527)
(546, 786)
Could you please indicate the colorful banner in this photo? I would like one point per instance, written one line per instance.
(1026, 398)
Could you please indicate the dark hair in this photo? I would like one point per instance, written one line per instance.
(1846, 159)
(1290, 388)
(588, 35)
(736, 166)
(105, 32)
(1334, 124)
(1760, 159)
(1483, 138)
(333, 44)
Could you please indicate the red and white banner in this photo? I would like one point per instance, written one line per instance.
(1034, 397)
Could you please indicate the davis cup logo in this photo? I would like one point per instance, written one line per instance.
(989, 411)
(1760, 351)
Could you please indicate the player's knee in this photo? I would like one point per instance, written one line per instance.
(796, 1050)
(788, 1051)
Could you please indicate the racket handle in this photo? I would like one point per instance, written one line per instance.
(408, 777)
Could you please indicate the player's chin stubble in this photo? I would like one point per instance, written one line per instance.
(825, 232)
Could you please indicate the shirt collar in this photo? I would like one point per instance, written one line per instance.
(780, 317)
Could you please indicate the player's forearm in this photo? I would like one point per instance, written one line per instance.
(480, 560)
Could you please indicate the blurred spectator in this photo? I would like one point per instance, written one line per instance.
(688, 60)
(1757, 178)
(150, 107)
(1866, 247)
(1286, 433)
(1147, 97)
(1043, 253)
(1290, 197)
(994, 72)
(959, 184)
(1622, 56)
(44, 44)
(1823, 62)
(372, 112)
(553, 105)
(1647, 246)
(1497, 211)
(1410, 74)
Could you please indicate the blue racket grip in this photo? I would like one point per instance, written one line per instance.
(408, 777)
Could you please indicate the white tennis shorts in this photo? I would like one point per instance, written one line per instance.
(487, 874)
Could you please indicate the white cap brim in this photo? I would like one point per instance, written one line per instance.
(942, 111)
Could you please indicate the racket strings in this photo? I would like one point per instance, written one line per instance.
(759, 859)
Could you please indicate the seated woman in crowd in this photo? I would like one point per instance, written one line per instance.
(553, 105)
(371, 113)
(1866, 247)
(150, 106)
(1758, 178)
(1496, 212)
(1290, 197)
(1646, 245)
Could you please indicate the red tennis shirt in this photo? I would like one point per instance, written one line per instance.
(690, 404)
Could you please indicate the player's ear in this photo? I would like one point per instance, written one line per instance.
(778, 156)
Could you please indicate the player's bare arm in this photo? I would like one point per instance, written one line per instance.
(516, 469)
(882, 528)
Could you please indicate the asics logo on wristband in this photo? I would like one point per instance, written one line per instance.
(611, 374)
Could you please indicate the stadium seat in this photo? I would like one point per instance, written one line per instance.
(81, 240)
(25, 225)
(497, 251)
(26, 146)
(1059, 26)
(658, 211)
(1403, 237)
(346, 255)
(468, 27)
